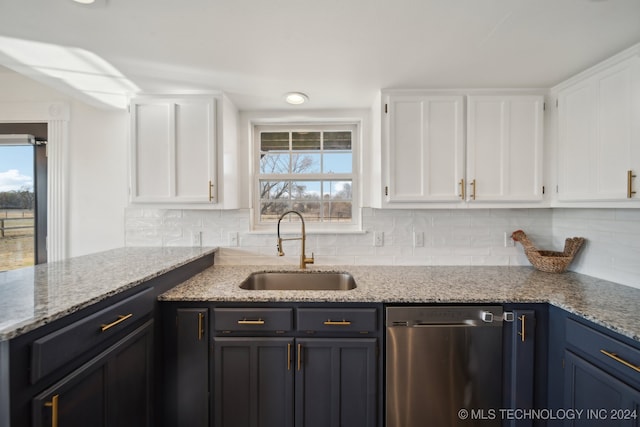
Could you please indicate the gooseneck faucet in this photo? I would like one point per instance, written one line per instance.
(303, 258)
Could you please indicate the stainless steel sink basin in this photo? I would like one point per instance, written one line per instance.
(299, 281)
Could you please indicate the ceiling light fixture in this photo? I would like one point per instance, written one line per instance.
(296, 98)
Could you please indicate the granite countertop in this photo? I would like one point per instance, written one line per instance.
(606, 303)
(33, 296)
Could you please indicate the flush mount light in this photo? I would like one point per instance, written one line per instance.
(296, 98)
(92, 3)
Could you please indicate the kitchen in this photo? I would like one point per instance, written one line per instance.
(96, 164)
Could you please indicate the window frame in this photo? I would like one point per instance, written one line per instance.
(355, 127)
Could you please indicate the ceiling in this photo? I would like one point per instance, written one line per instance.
(338, 52)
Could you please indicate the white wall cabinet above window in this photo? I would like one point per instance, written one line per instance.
(175, 146)
(599, 134)
(431, 159)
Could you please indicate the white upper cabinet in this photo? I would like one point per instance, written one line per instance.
(424, 148)
(175, 144)
(430, 159)
(599, 135)
(504, 148)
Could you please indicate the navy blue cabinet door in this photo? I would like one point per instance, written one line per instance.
(336, 382)
(111, 390)
(602, 399)
(253, 380)
(192, 364)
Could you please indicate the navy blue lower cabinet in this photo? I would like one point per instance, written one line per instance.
(253, 382)
(597, 398)
(336, 382)
(594, 374)
(295, 365)
(113, 389)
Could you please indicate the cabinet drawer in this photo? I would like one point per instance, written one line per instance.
(64, 345)
(253, 319)
(337, 320)
(611, 354)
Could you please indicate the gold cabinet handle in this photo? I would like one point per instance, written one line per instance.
(200, 326)
(299, 356)
(210, 191)
(337, 322)
(121, 319)
(288, 356)
(620, 360)
(251, 322)
(54, 409)
(522, 327)
(473, 189)
(630, 192)
(461, 183)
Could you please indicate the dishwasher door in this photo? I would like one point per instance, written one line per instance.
(441, 362)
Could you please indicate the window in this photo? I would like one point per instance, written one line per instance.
(310, 169)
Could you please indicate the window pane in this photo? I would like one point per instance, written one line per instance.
(305, 140)
(271, 211)
(275, 190)
(337, 211)
(337, 162)
(274, 163)
(274, 141)
(337, 190)
(337, 140)
(305, 190)
(305, 163)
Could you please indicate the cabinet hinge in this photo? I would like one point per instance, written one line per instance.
(386, 190)
(557, 190)
(544, 106)
(386, 108)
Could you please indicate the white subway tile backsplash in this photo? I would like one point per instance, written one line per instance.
(451, 237)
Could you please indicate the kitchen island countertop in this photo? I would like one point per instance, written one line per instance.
(608, 304)
(34, 296)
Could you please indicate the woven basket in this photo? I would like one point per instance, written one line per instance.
(549, 261)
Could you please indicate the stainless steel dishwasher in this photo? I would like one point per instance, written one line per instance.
(443, 366)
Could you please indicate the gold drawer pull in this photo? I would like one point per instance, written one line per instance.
(337, 322)
(461, 183)
(251, 322)
(54, 409)
(299, 356)
(522, 328)
(473, 189)
(200, 326)
(288, 356)
(121, 319)
(620, 360)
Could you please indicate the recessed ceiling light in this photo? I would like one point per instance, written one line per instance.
(296, 98)
(84, 1)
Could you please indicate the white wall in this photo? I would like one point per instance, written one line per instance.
(97, 168)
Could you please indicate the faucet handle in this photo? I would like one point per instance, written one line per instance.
(279, 246)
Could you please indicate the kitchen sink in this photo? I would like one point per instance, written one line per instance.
(299, 281)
